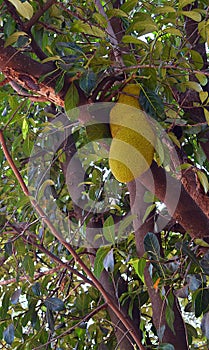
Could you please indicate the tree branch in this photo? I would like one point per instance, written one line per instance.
(126, 321)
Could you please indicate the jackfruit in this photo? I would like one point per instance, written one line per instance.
(123, 107)
(132, 148)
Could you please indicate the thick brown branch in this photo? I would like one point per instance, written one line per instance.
(182, 208)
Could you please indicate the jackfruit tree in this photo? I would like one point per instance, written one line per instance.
(104, 133)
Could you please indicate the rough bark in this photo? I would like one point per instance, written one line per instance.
(138, 207)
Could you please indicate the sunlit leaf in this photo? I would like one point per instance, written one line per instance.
(98, 262)
(25, 9)
(108, 261)
(14, 37)
(203, 180)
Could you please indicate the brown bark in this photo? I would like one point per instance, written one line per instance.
(179, 203)
(138, 207)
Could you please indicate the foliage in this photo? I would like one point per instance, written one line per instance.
(48, 300)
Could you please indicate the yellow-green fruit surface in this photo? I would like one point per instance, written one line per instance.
(132, 148)
(124, 107)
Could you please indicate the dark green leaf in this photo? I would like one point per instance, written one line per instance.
(204, 263)
(36, 288)
(194, 281)
(8, 248)
(54, 304)
(59, 83)
(184, 246)
(87, 81)
(71, 99)
(201, 302)
(170, 317)
(15, 296)
(166, 346)
(129, 5)
(205, 325)
(151, 244)
(50, 319)
(98, 262)
(151, 103)
(28, 265)
(9, 334)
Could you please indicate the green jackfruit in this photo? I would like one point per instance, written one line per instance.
(132, 148)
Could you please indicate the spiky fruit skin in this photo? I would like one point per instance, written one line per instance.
(132, 148)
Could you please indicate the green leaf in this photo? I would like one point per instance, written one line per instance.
(28, 265)
(36, 288)
(15, 296)
(81, 27)
(87, 81)
(184, 246)
(129, 39)
(196, 16)
(203, 180)
(129, 5)
(50, 319)
(151, 244)
(9, 334)
(149, 209)
(99, 259)
(151, 103)
(194, 281)
(201, 301)
(125, 223)
(164, 9)
(25, 128)
(109, 230)
(71, 99)
(59, 83)
(206, 113)
(139, 266)
(101, 20)
(166, 346)
(204, 263)
(13, 38)
(25, 9)
(170, 317)
(43, 187)
(172, 31)
(116, 13)
(54, 304)
(203, 96)
(183, 3)
(197, 59)
(192, 85)
(8, 249)
(143, 24)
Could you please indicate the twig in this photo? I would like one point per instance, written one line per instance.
(25, 278)
(86, 318)
(38, 14)
(126, 322)
(111, 34)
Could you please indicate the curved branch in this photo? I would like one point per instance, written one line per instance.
(126, 322)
